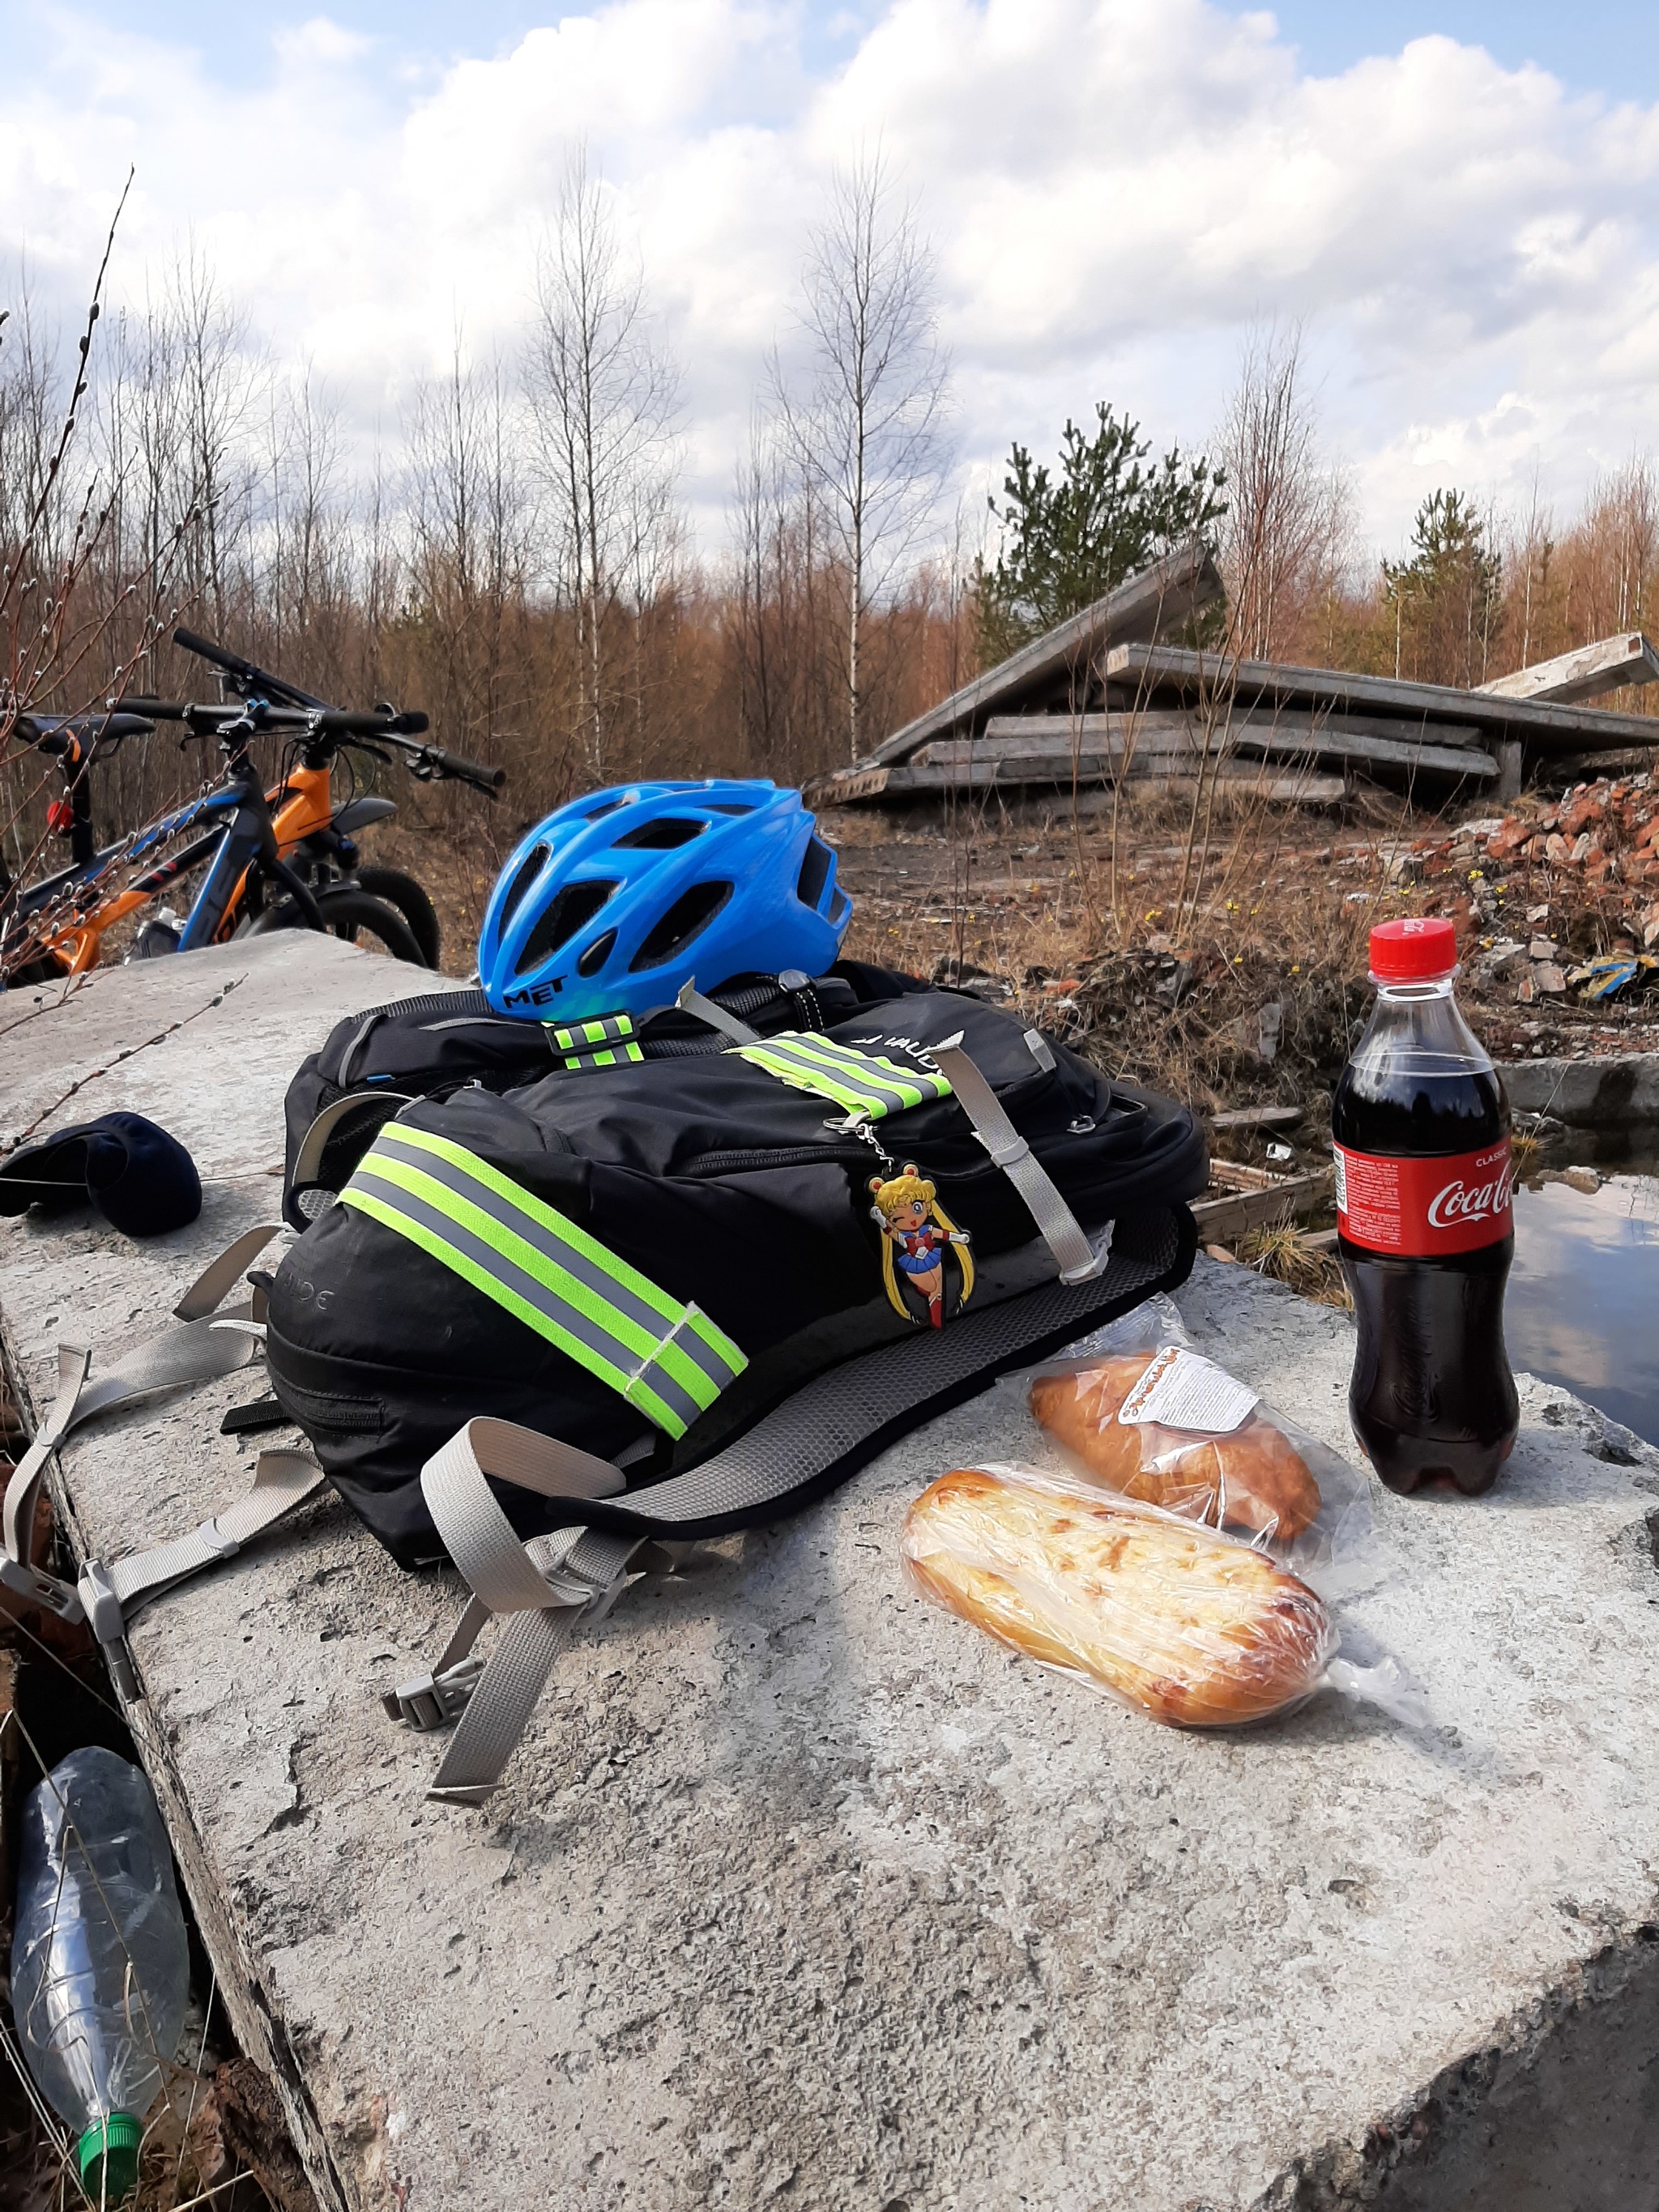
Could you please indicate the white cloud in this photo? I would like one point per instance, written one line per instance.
(1116, 187)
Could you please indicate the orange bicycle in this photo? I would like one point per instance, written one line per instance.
(277, 859)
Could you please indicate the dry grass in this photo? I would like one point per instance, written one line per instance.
(1283, 1251)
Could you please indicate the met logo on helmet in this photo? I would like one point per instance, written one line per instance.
(534, 995)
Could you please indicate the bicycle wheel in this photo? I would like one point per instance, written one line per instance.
(410, 899)
(350, 914)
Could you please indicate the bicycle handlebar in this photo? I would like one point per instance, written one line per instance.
(478, 772)
(58, 734)
(377, 726)
(244, 674)
(294, 709)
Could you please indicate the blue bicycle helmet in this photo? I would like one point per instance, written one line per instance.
(615, 901)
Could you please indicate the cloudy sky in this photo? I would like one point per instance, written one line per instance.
(1460, 202)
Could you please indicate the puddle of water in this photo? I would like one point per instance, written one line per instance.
(1585, 1292)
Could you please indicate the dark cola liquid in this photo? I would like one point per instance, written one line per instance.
(1432, 1399)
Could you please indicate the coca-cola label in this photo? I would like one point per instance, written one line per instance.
(1421, 1208)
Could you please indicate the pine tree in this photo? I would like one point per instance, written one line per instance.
(1447, 598)
(1068, 540)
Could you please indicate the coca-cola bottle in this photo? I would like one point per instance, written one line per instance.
(1421, 1129)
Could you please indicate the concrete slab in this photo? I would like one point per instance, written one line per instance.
(802, 1892)
(1606, 1093)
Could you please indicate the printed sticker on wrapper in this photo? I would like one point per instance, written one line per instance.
(1419, 1209)
(1181, 1389)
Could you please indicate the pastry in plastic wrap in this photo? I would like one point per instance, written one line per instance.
(1187, 1626)
(1252, 1476)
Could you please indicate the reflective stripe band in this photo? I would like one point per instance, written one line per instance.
(602, 1042)
(668, 1359)
(864, 1083)
(611, 1056)
(604, 1028)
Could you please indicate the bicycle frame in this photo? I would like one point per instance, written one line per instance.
(303, 805)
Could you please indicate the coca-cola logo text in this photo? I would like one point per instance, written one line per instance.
(1413, 1205)
(1465, 1201)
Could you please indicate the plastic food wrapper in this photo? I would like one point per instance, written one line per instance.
(1186, 1624)
(1136, 1410)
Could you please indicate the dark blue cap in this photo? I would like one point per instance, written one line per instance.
(141, 1180)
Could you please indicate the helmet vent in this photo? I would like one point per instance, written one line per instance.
(522, 881)
(730, 807)
(597, 954)
(660, 836)
(574, 906)
(689, 916)
(814, 873)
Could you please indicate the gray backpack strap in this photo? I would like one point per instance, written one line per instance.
(555, 1584)
(690, 1000)
(1058, 1226)
(210, 1343)
(111, 1596)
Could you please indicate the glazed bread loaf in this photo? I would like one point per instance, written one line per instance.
(1253, 1478)
(1192, 1628)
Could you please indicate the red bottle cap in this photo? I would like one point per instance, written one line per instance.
(1419, 949)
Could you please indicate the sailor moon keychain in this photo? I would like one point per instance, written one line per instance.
(917, 1239)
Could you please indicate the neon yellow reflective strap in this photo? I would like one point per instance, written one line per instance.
(602, 1042)
(669, 1359)
(863, 1083)
(611, 1056)
(605, 1029)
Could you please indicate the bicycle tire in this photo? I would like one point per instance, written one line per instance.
(348, 913)
(412, 899)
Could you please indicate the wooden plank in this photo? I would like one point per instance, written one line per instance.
(1238, 1174)
(988, 775)
(844, 787)
(1291, 1199)
(1586, 672)
(1421, 759)
(1013, 733)
(1281, 733)
(1544, 727)
(1622, 760)
(1256, 1117)
(1055, 736)
(1142, 606)
(986, 761)
(1511, 768)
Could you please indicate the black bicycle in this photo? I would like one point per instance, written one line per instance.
(284, 858)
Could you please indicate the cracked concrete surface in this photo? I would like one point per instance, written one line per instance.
(800, 1891)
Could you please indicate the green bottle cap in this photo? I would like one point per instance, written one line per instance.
(111, 2144)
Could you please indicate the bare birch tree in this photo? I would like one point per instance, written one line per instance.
(869, 427)
(1284, 531)
(605, 403)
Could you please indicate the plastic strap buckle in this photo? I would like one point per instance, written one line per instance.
(1007, 1154)
(42, 1589)
(1100, 1245)
(102, 1608)
(602, 1598)
(429, 1702)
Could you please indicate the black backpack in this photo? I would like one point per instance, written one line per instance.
(653, 1258)
(374, 1063)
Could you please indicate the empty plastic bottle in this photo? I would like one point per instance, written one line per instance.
(101, 1969)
